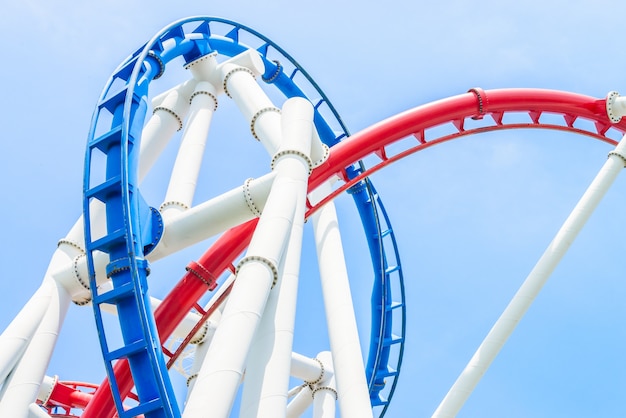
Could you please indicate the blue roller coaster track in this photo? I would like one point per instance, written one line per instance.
(133, 228)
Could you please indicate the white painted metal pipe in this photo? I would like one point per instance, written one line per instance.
(317, 373)
(319, 150)
(223, 369)
(513, 313)
(342, 328)
(45, 389)
(35, 411)
(184, 178)
(170, 110)
(325, 393)
(255, 106)
(21, 388)
(16, 337)
(181, 331)
(305, 368)
(257, 273)
(269, 364)
(300, 402)
(213, 322)
(202, 348)
(213, 216)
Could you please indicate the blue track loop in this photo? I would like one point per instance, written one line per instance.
(388, 298)
(133, 228)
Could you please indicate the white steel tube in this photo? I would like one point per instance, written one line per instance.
(69, 257)
(35, 411)
(170, 110)
(214, 216)
(181, 331)
(305, 368)
(269, 364)
(324, 401)
(222, 371)
(517, 307)
(325, 393)
(254, 104)
(319, 150)
(300, 403)
(343, 334)
(198, 358)
(213, 322)
(184, 178)
(16, 337)
(22, 387)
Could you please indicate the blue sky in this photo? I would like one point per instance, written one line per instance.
(472, 217)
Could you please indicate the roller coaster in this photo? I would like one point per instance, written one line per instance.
(231, 316)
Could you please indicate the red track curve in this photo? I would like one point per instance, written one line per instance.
(476, 104)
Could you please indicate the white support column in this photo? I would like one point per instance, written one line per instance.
(269, 364)
(319, 150)
(215, 215)
(325, 393)
(529, 290)
(257, 273)
(170, 110)
(256, 107)
(21, 388)
(184, 179)
(345, 346)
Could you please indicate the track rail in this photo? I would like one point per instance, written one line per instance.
(492, 108)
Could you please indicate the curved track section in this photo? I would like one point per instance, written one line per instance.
(133, 228)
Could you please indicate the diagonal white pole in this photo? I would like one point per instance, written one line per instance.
(526, 294)
(353, 393)
(269, 362)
